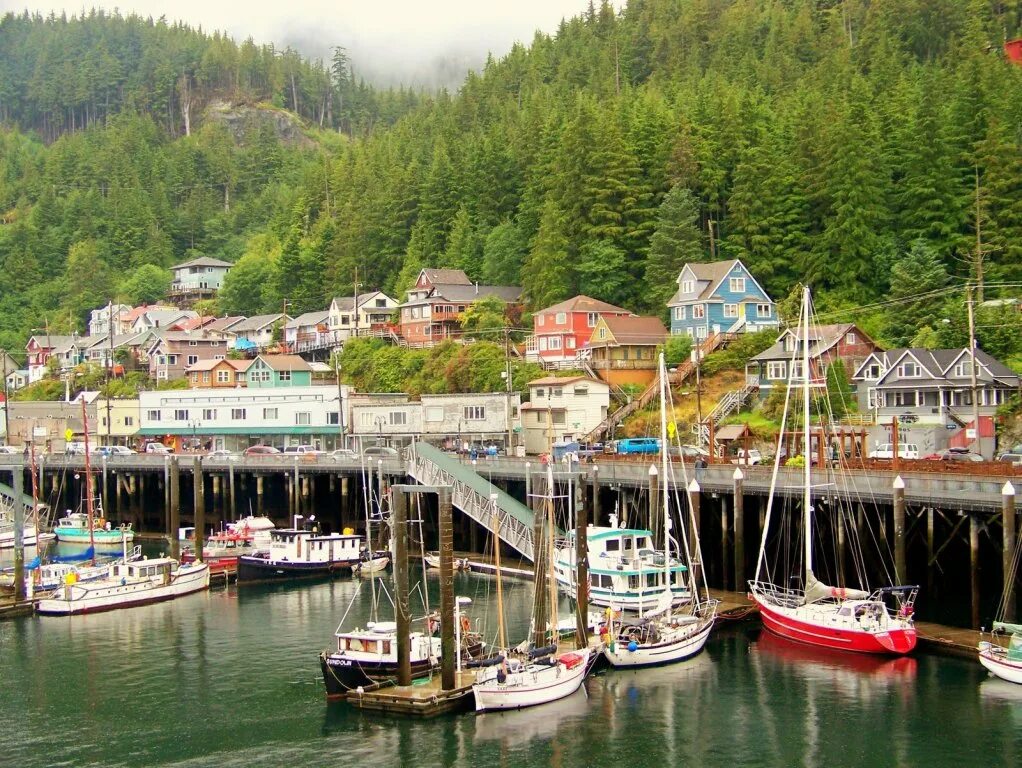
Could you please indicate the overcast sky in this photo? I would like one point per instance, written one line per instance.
(392, 40)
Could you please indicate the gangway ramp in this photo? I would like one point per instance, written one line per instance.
(470, 492)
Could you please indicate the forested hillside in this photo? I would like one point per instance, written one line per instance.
(872, 148)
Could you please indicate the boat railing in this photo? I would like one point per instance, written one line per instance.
(782, 596)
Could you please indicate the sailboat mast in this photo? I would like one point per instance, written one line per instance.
(807, 454)
(501, 631)
(550, 551)
(662, 375)
(88, 481)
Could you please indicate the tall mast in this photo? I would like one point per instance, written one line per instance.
(806, 493)
(550, 550)
(88, 481)
(501, 632)
(662, 375)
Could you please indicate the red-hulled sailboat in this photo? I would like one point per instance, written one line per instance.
(838, 618)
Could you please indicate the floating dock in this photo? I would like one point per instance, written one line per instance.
(423, 698)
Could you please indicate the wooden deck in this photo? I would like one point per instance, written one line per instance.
(12, 610)
(948, 641)
(422, 699)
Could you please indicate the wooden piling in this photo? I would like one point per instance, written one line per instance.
(528, 486)
(581, 569)
(447, 647)
(739, 529)
(693, 529)
(930, 515)
(725, 552)
(174, 515)
(107, 506)
(900, 568)
(1008, 549)
(260, 487)
(18, 485)
(402, 612)
(344, 499)
(595, 481)
(231, 489)
(199, 499)
(974, 568)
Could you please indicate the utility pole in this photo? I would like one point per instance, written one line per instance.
(697, 357)
(507, 402)
(109, 371)
(7, 400)
(340, 396)
(354, 306)
(972, 368)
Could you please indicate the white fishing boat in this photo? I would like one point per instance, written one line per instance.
(377, 563)
(1002, 654)
(432, 560)
(661, 636)
(31, 535)
(835, 617)
(74, 528)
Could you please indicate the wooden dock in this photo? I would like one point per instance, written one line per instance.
(948, 641)
(424, 698)
(9, 609)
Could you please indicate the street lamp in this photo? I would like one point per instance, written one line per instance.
(194, 426)
(380, 421)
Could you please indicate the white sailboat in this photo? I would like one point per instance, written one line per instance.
(1002, 654)
(528, 677)
(663, 636)
(830, 617)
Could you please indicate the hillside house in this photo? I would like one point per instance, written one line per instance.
(218, 373)
(39, 350)
(560, 332)
(438, 300)
(170, 353)
(623, 349)
(827, 343)
(272, 371)
(562, 409)
(256, 332)
(720, 297)
(198, 279)
(375, 309)
(309, 331)
(99, 319)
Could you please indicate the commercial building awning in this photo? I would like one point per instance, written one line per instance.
(188, 431)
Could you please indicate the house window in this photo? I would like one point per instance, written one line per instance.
(193, 359)
(555, 342)
(426, 311)
(964, 369)
(540, 418)
(688, 286)
(592, 318)
(603, 333)
(540, 319)
(285, 375)
(238, 414)
(303, 418)
(777, 371)
(129, 421)
(570, 342)
(736, 284)
(152, 415)
(172, 359)
(181, 414)
(269, 413)
(205, 377)
(908, 371)
(223, 377)
(850, 338)
(905, 399)
(581, 391)
(397, 418)
(475, 413)
(873, 372)
(333, 417)
(556, 392)
(365, 419)
(561, 318)
(872, 401)
(434, 413)
(730, 310)
(415, 313)
(559, 417)
(193, 343)
(542, 343)
(796, 370)
(698, 311)
(762, 310)
(218, 357)
(208, 414)
(680, 313)
(540, 391)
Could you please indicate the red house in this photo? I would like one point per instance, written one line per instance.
(560, 331)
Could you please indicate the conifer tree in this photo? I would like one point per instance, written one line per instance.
(676, 242)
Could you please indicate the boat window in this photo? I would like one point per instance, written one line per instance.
(643, 543)
(652, 579)
(633, 582)
(355, 644)
(845, 611)
(342, 643)
(629, 542)
(386, 647)
(613, 545)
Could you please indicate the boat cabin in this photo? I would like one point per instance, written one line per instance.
(294, 545)
(157, 569)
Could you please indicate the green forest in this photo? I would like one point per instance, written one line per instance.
(872, 148)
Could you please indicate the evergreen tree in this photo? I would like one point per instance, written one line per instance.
(548, 275)
(676, 242)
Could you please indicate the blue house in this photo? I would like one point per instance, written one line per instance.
(720, 297)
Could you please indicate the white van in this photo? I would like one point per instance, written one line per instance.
(886, 451)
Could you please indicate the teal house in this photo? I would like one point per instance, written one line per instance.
(271, 371)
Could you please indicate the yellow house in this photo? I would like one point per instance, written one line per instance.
(116, 425)
(622, 349)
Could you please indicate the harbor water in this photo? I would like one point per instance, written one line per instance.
(231, 678)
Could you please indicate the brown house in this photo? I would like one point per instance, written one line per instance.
(827, 343)
(218, 374)
(170, 353)
(622, 348)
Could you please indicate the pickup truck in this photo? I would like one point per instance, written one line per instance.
(753, 458)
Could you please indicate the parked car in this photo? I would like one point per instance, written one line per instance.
(886, 451)
(752, 458)
(380, 452)
(9, 449)
(261, 450)
(220, 453)
(157, 448)
(1014, 459)
(302, 450)
(960, 454)
(344, 454)
(689, 452)
(114, 450)
(637, 445)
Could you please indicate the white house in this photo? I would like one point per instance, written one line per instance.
(374, 312)
(199, 278)
(308, 331)
(237, 418)
(256, 332)
(160, 318)
(99, 319)
(561, 409)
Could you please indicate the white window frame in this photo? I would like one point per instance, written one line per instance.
(238, 414)
(763, 310)
(904, 367)
(777, 370)
(153, 415)
(592, 319)
(730, 310)
(699, 312)
(561, 318)
(474, 412)
(688, 286)
(303, 418)
(555, 342)
(736, 284)
(180, 414)
(270, 414)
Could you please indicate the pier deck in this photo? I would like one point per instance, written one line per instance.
(948, 641)
(422, 699)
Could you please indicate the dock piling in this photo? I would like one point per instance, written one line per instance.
(974, 568)
(582, 568)
(402, 613)
(1008, 549)
(18, 484)
(174, 513)
(199, 495)
(900, 569)
(739, 529)
(447, 649)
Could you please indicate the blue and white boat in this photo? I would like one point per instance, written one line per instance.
(302, 553)
(625, 572)
(74, 527)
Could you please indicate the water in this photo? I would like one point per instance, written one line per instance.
(231, 678)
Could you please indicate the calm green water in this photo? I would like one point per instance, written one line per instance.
(231, 678)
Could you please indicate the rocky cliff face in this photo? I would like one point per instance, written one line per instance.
(243, 119)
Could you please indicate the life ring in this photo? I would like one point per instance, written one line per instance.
(466, 625)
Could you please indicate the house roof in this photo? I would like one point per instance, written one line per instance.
(285, 362)
(226, 323)
(344, 303)
(631, 329)
(938, 364)
(209, 365)
(203, 261)
(308, 318)
(51, 342)
(821, 338)
(582, 303)
(553, 380)
(445, 276)
(473, 292)
(255, 323)
(191, 323)
(711, 274)
(161, 318)
(136, 312)
(731, 432)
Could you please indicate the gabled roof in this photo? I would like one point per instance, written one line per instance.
(191, 323)
(162, 318)
(308, 318)
(582, 303)
(471, 292)
(711, 275)
(938, 366)
(256, 323)
(631, 329)
(50, 342)
(284, 362)
(137, 312)
(343, 303)
(209, 365)
(203, 261)
(821, 339)
(222, 324)
(554, 380)
(445, 276)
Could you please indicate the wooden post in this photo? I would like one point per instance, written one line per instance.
(654, 502)
(174, 517)
(344, 499)
(896, 465)
(199, 498)
(581, 569)
(528, 485)
(1008, 549)
(230, 489)
(259, 493)
(402, 613)
(900, 568)
(725, 554)
(974, 568)
(18, 485)
(107, 507)
(595, 477)
(693, 529)
(739, 527)
(447, 649)
(930, 515)
(216, 492)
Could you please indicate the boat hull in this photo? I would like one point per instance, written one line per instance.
(101, 538)
(257, 569)
(668, 652)
(893, 641)
(342, 675)
(525, 689)
(1001, 667)
(29, 538)
(95, 598)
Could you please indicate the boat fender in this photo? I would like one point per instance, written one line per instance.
(633, 646)
(502, 675)
(466, 625)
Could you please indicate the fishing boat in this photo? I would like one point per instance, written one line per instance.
(44, 577)
(536, 673)
(663, 636)
(222, 550)
(840, 618)
(74, 527)
(127, 584)
(432, 559)
(375, 563)
(1002, 654)
(31, 535)
(301, 553)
